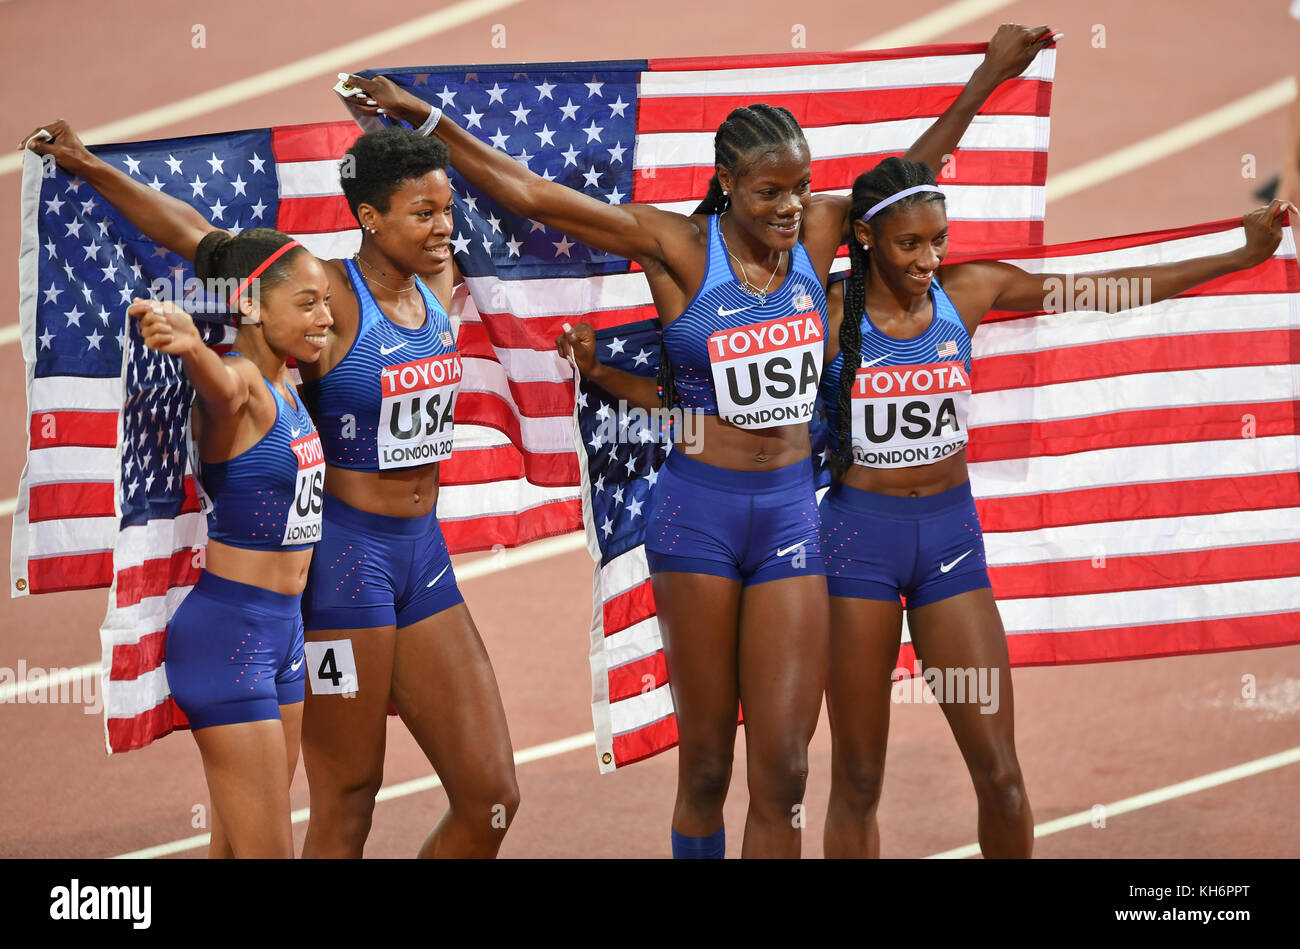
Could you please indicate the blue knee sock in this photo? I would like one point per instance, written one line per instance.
(712, 847)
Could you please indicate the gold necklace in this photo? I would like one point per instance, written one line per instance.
(745, 285)
(361, 260)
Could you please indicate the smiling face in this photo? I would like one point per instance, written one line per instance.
(769, 194)
(294, 312)
(908, 243)
(415, 232)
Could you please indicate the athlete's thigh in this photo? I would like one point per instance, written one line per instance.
(962, 639)
(783, 656)
(244, 764)
(864, 640)
(344, 722)
(698, 623)
(291, 720)
(446, 693)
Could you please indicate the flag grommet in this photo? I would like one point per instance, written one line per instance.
(606, 758)
(21, 584)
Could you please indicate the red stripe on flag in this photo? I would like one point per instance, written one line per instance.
(639, 676)
(1147, 572)
(70, 572)
(511, 530)
(1129, 502)
(79, 428)
(967, 167)
(545, 469)
(1151, 642)
(1194, 423)
(773, 60)
(505, 331)
(53, 502)
(704, 112)
(481, 466)
(132, 660)
(320, 141)
(628, 608)
(645, 742)
(156, 576)
(128, 734)
(325, 214)
(1125, 357)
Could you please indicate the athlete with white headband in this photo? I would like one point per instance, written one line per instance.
(899, 518)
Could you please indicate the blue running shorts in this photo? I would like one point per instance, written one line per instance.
(878, 546)
(234, 653)
(373, 570)
(752, 526)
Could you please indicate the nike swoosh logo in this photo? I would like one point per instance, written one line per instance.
(945, 567)
(295, 431)
(782, 553)
(865, 364)
(722, 312)
(294, 667)
(438, 577)
(385, 350)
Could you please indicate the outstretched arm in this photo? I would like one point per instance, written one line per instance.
(983, 285)
(160, 217)
(635, 231)
(168, 329)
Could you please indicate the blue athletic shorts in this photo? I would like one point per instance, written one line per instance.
(752, 526)
(372, 570)
(878, 546)
(234, 653)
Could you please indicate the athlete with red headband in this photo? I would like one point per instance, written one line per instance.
(384, 617)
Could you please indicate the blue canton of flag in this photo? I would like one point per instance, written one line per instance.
(577, 128)
(94, 261)
(624, 449)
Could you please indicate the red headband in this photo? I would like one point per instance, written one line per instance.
(261, 269)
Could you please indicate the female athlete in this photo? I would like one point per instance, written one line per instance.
(896, 521)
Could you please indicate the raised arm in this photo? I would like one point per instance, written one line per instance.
(1010, 52)
(165, 220)
(983, 285)
(635, 231)
(168, 329)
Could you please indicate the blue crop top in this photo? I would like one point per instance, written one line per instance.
(269, 496)
(388, 402)
(754, 364)
(910, 398)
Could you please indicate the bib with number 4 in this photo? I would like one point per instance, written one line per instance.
(766, 374)
(304, 521)
(909, 415)
(415, 416)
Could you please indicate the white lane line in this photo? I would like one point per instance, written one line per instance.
(944, 20)
(1243, 110)
(485, 566)
(403, 789)
(1158, 796)
(325, 63)
(8, 506)
(10, 333)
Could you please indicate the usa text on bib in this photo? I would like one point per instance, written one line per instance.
(303, 523)
(766, 374)
(909, 415)
(415, 418)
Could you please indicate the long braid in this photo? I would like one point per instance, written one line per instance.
(889, 177)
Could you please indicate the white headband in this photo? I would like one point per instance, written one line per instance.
(898, 197)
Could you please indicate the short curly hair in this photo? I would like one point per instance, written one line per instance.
(378, 162)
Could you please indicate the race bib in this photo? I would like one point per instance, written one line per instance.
(766, 374)
(303, 524)
(909, 415)
(415, 418)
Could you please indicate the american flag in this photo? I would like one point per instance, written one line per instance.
(643, 131)
(81, 262)
(946, 349)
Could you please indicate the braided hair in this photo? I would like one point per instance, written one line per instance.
(889, 177)
(747, 134)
